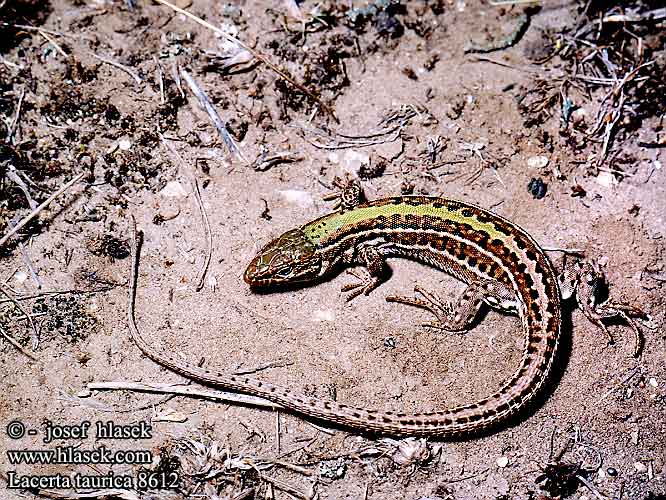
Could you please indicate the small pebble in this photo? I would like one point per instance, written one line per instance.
(640, 467)
(606, 179)
(537, 161)
(653, 382)
(212, 282)
(502, 462)
(578, 115)
(611, 471)
(20, 277)
(634, 436)
(174, 189)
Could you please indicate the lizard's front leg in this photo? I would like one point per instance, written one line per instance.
(375, 273)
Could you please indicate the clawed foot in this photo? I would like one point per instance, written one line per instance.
(365, 284)
(609, 310)
(585, 279)
(443, 311)
(349, 193)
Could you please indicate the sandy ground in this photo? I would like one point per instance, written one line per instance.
(606, 411)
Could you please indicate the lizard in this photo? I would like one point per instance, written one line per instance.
(502, 265)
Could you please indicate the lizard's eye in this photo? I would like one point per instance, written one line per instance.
(283, 273)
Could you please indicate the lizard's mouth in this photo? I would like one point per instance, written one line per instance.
(258, 273)
(262, 274)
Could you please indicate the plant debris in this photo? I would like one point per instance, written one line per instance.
(604, 76)
(66, 316)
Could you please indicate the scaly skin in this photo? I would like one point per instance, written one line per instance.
(506, 267)
(502, 265)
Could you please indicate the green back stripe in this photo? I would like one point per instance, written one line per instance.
(334, 222)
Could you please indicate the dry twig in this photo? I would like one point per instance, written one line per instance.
(280, 363)
(41, 207)
(18, 346)
(50, 39)
(122, 67)
(12, 127)
(214, 116)
(281, 485)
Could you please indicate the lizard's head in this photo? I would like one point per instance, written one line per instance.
(291, 258)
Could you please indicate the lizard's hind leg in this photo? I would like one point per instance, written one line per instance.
(585, 279)
(460, 317)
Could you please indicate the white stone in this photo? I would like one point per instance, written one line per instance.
(212, 282)
(537, 161)
(502, 462)
(578, 115)
(606, 179)
(174, 189)
(20, 277)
